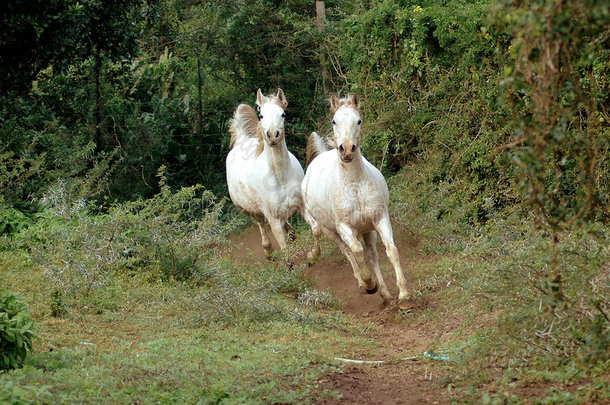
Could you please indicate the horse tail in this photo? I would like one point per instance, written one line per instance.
(315, 146)
(243, 124)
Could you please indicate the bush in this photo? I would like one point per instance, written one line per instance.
(171, 236)
(15, 332)
(12, 220)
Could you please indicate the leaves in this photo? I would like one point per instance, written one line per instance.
(15, 332)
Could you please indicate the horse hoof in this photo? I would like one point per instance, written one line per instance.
(373, 291)
(364, 291)
(311, 258)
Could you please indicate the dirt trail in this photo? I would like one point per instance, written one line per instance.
(393, 382)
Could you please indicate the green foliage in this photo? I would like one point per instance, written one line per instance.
(11, 395)
(12, 220)
(15, 332)
(428, 73)
(563, 140)
(37, 150)
(57, 305)
(36, 34)
(171, 235)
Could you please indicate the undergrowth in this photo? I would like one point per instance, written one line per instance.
(495, 275)
(142, 302)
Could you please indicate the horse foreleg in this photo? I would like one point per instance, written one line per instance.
(334, 236)
(265, 239)
(384, 228)
(348, 237)
(372, 259)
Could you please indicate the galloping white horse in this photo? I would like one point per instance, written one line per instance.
(345, 196)
(264, 179)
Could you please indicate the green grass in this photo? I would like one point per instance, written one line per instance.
(158, 342)
(242, 330)
(515, 329)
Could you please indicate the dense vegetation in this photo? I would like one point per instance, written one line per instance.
(490, 119)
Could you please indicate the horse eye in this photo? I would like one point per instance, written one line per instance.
(283, 115)
(359, 122)
(261, 117)
(334, 123)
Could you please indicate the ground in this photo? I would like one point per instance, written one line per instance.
(396, 381)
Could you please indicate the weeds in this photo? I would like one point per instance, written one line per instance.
(16, 332)
(172, 235)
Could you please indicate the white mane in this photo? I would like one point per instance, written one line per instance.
(263, 177)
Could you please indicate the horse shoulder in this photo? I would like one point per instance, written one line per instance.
(296, 167)
(376, 180)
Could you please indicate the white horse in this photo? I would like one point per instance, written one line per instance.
(263, 177)
(345, 196)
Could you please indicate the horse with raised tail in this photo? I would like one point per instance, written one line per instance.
(346, 197)
(263, 177)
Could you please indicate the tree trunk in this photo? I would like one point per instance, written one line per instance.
(321, 20)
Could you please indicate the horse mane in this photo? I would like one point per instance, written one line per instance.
(350, 101)
(261, 139)
(244, 123)
(315, 145)
(275, 99)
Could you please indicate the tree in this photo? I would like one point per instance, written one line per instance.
(36, 34)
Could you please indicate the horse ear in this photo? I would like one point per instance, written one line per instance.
(334, 103)
(355, 101)
(260, 99)
(280, 95)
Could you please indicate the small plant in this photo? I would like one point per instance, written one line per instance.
(315, 298)
(173, 235)
(15, 332)
(58, 308)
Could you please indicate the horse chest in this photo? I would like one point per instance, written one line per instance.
(357, 204)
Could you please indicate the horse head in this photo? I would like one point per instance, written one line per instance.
(271, 113)
(346, 126)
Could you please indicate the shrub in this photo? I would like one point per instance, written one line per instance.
(12, 220)
(15, 332)
(172, 235)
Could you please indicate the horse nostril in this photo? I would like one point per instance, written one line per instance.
(353, 148)
(277, 134)
(341, 148)
(268, 135)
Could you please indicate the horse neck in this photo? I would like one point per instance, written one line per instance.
(354, 170)
(278, 158)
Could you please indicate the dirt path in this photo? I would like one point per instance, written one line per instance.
(394, 381)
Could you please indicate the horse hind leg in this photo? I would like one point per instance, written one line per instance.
(290, 231)
(316, 230)
(372, 259)
(277, 227)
